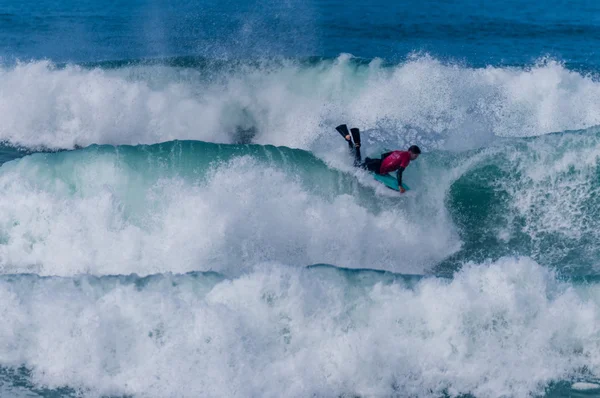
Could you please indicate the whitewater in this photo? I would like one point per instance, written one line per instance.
(192, 225)
(289, 102)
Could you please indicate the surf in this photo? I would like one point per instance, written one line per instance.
(290, 102)
(318, 324)
(516, 197)
(126, 209)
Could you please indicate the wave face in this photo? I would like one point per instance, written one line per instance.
(184, 206)
(127, 209)
(292, 103)
(537, 197)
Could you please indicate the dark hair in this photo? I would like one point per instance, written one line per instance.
(414, 149)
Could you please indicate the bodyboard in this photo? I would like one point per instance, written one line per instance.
(390, 181)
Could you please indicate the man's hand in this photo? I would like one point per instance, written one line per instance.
(402, 190)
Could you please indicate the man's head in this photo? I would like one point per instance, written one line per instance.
(414, 152)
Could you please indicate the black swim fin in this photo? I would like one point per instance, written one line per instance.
(356, 136)
(343, 130)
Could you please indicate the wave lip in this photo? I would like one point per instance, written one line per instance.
(291, 103)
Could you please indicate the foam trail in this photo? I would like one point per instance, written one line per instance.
(585, 386)
(499, 329)
(290, 103)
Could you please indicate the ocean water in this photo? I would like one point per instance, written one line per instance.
(179, 218)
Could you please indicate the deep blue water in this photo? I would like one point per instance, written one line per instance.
(476, 32)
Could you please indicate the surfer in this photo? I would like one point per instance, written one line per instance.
(389, 161)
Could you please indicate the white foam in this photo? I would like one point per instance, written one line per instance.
(555, 194)
(103, 218)
(585, 386)
(421, 100)
(501, 329)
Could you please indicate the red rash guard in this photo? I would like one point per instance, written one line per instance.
(394, 161)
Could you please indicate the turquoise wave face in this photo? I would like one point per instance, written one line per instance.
(183, 206)
(535, 197)
(529, 197)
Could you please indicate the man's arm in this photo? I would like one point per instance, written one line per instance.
(400, 171)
